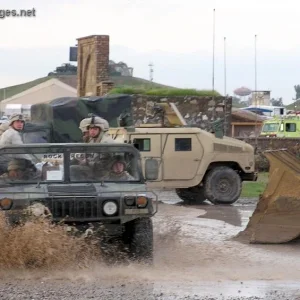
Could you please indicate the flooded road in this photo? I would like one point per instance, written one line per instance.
(195, 258)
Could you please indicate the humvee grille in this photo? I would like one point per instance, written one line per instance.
(87, 188)
(75, 208)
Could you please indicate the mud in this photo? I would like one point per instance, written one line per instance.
(195, 258)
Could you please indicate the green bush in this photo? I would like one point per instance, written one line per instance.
(162, 91)
(261, 163)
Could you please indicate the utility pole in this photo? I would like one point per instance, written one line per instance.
(151, 71)
(255, 86)
(225, 92)
(213, 63)
(255, 70)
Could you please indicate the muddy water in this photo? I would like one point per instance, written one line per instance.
(195, 258)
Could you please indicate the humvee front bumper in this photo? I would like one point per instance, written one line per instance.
(250, 176)
(108, 207)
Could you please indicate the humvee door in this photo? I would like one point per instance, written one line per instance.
(182, 154)
(149, 146)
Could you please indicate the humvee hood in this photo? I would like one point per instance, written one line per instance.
(43, 190)
(228, 141)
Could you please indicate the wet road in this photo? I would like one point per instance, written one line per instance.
(195, 258)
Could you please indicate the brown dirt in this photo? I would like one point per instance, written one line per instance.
(40, 244)
(188, 252)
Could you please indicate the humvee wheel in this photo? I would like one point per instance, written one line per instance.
(222, 185)
(191, 195)
(140, 234)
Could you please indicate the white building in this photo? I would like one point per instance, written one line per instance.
(42, 93)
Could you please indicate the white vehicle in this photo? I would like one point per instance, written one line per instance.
(4, 119)
(267, 110)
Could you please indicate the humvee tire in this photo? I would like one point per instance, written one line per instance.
(222, 185)
(193, 195)
(139, 234)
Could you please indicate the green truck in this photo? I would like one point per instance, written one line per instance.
(288, 126)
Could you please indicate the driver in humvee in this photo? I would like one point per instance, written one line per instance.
(21, 169)
(118, 170)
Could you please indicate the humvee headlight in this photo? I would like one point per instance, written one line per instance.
(110, 208)
(129, 200)
(141, 201)
(6, 203)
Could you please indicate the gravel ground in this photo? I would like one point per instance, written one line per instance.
(195, 258)
(64, 290)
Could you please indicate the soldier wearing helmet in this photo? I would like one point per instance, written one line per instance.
(21, 169)
(83, 126)
(98, 128)
(13, 134)
(118, 170)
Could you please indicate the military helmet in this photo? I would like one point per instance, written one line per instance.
(17, 164)
(95, 121)
(118, 159)
(16, 117)
(83, 125)
(21, 164)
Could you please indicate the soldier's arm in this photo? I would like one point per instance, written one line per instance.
(129, 177)
(6, 138)
(101, 162)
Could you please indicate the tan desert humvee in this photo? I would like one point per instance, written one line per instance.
(198, 164)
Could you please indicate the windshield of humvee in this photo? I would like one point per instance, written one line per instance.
(270, 127)
(79, 167)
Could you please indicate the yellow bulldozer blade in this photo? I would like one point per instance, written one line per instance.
(276, 218)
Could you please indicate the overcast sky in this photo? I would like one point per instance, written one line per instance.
(175, 35)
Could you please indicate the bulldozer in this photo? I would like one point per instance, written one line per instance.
(276, 219)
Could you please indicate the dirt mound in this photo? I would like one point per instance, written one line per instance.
(40, 244)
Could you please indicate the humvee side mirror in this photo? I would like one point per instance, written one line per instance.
(151, 169)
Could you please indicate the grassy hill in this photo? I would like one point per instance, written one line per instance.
(16, 89)
(123, 84)
(292, 105)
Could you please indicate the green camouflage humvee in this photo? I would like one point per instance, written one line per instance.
(82, 184)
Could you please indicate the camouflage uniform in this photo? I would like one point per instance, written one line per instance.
(83, 126)
(99, 160)
(3, 128)
(12, 136)
(122, 176)
(93, 161)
